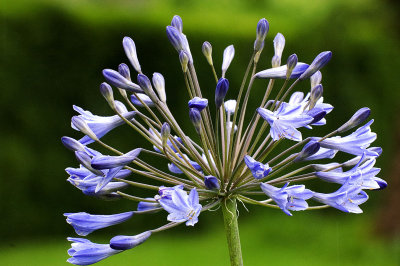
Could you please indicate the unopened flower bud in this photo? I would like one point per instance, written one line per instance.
(175, 37)
(72, 144)
(207, 52)
(184, 59)
(107, 93)
(84, 159)
(165, 132)
(177, 23)
(315, 79)
(262, 30)
(130, 51)
(107, 162)
(195, 117)
(229, 53)
(117, 80)
(144, 83)
(291, 64)
(159, 85)
(128, 242)
(123, 69)
(356, 119)
(230, 106)
(309, 149)
(279, 44)
(319, 62)
(316, 94)
(280, 72)
(220, 91)
(79, 124)
(211, 182)
(198, 103)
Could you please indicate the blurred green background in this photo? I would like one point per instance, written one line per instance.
(52, 54)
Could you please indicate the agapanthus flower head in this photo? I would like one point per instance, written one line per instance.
(229, 158)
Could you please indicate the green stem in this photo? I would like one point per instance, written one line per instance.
(229, 208)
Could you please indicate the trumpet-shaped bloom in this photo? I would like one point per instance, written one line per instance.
(100, 125)
(182, 207)
(84, 252)
(85, 223)
(285, 120)
(346, 198)
(363, 174)
(288, 198)
(356, 143)
(258, 169)
(128, 242)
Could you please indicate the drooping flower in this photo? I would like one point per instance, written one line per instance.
(84, 252)
(182, 207)
(346, 198)
(100, 125)
(363, 174)
(258, 169)
(291, 198)
(356, 143)
(85, 223)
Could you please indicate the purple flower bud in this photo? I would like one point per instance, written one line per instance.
(279, 44)
(144, 83)
(117, 80)
(207, 52)
(128, 242)
(175, 37)
(85, 160)
(107, 93)
(316, 94)
(280, 72)
(211, 182)
(317, 114)
(159, 85)
(123, 69)
(262, 30)
(319, 62)
(220, 91)
(143, 97)
(80, 124)
(195, 117)
(130, 51)
(177, 23)
(309, 149)
(291, 64)
(356, 119)
(108, 162)
(198, 103)
(72, 144)
(184, 59)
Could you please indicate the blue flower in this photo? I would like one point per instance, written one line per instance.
(198, 103)
(220, 91)
(119, 81)
(100, 125)
(128, 242)
(182, 207)
(363, 174)
(175, 169)
(319, 62)
(356, 143)
(323, 153)
(288, 198)
(211, 182)
(258, 169)
(346, 198)
(146, 99)
(84, 252)
(85, 223)
(280, 72)
(285, 120)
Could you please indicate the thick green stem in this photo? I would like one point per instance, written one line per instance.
(229, 208)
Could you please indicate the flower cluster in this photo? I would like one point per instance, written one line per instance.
(233, 159)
